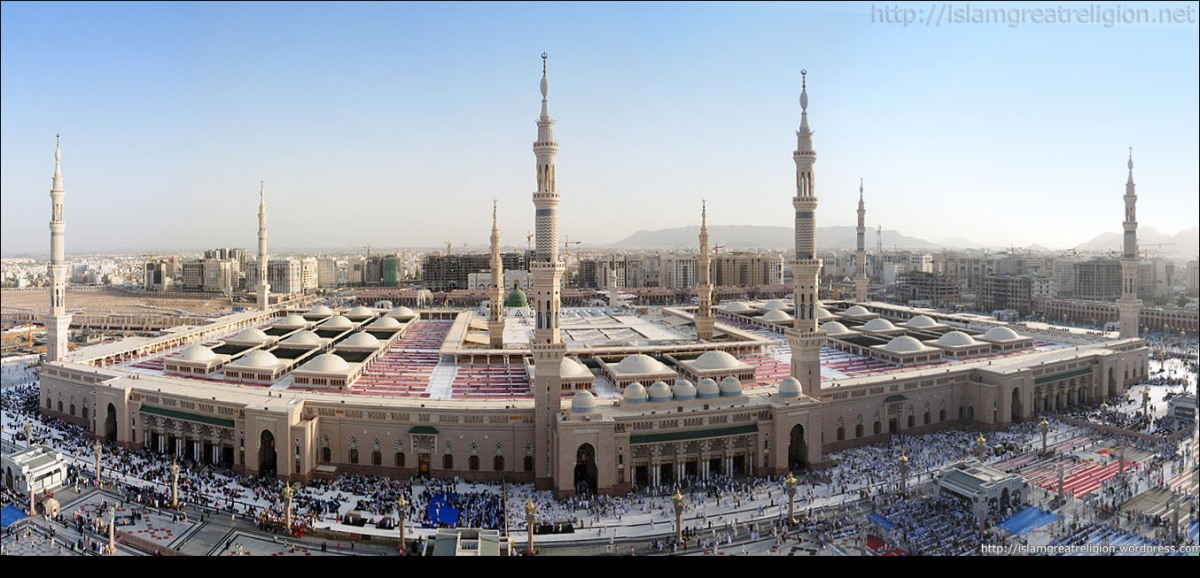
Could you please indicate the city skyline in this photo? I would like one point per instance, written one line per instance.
(397, 124)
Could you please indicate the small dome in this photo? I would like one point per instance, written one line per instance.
(775, 304)
(823, 313)
(878, 324)
(360, 339)
(516, 298)
(1001, 334)
(956, 339)
(402, 313)
(737, 307)
(336, 322)
(359, 311)
(258, 358)
(904, 344)
(776, 316)
(833, 328)
(730, 386)
(384, 323)
(303, 338)
(707, 388)
(250, 335)
(583, 402)
(789, 387)
(327, 363)
(659, 391)
(640, 363)
(857, 310)
(571, 368)
(635, 393)
(320, 311)
(683, 390)
(292, 320)
(196, 352)
(716, 360)
(921, 322)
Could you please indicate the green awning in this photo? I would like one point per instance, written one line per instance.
(678, 436)
(423, 429)
(894, 398)
(183, 415)
(1058, 376)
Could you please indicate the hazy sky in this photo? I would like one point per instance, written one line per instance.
(395, 124)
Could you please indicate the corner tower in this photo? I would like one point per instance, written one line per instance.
(1129, 306)
(58, 322)
(704, 290)
(264, 288)
(496, 310)
(860, 254)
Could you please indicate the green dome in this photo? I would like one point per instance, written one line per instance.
(516, 298)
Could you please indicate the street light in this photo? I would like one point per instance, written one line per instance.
(1045, 430)
(174, 484)
(790, 484)
(401, 509)
(287, 512)
(99, 448)
(903, 472)
(980, 443)
(530, 514)
(677, 501)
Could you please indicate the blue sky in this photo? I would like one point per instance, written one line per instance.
(395, 124)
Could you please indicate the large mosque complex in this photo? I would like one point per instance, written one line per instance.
(597, 399)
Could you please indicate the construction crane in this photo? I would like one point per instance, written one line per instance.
(448, 246)
(717, 249)
(368, 250)
(879, 239)
(529, 242)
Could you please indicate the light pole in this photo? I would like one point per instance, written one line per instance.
(530, 516)
(99, 448)
(401, 510)
(677, 501)
(980, 443)
(1146, 402)
(790, 484)
(1045, 430)
(287, 512)
(903, 473)
(174, 484)
(112, 537)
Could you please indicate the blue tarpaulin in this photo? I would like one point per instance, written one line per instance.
(11, 515)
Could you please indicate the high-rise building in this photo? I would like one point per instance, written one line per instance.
(327, 268)
(308, 274)
(1098, 279)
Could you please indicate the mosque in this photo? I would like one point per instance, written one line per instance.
(596, 399)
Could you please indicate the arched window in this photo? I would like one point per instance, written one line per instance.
(447, 462)
(326, 455)
(878, 427)
(528, 465)
(399, 459)
(376, 458)
(498, 463)
(841, 433)
(912, 420)
(354, 455)
(926, 418)
(858, 431)
(473, 463)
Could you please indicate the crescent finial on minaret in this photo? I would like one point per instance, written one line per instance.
(57, 149)
(860, 187)
(1131, 158)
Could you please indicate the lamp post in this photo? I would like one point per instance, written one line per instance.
(174, 484)
(1146, 402)
(903, 473)
(401, 511)
(1062, 497)
(1121, 457)
(1045, 430)
(98, 448)
(530, 516)
(980, 443)
(28, 433)
(677, 501)
(287, 512)
(32, 498)
(790, 485)
(112, 537)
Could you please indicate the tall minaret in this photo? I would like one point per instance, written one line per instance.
(860, 256)
(264, 288)
(546, 346)
(805, 339)
(704, 289)
(58, 321)
(496, 310)
(1129, 306)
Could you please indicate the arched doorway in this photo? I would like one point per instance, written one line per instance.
(1112, 382)
(1015, 415)
(8, 478)
(1003, 499)
(585, 469)
(110, 423)
(266, 454)
(797, 458)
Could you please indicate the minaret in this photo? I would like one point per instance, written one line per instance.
(58, 321)
(264, 288)
(496, 311)
(860, 256)
(704, 289)
(1129, 306)
(546, 346)
(805, 339)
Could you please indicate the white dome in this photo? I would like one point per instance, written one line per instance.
(904, 344)
(856, 310)
(707, 389)
(921, 322)
(789, 387)
(956, 339)
(833, 328)
(583, 402)
(640, 363)
(878, 324)
(635, 393)
(327, 363)
(359, 311)
(1001, 334)
(258, 358)
(319, 311)
(737, 307)
(659, 391)
(292, 320)
(571, 368)
(402, 313)
(716, 360)
(360, 339)
(775, 304)
(776, 315)
(251, 335)
(823, 313)
(196, 352)
(683, 390)
(336, 322)
(303, 338)
(730, 386)
(384, 323)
